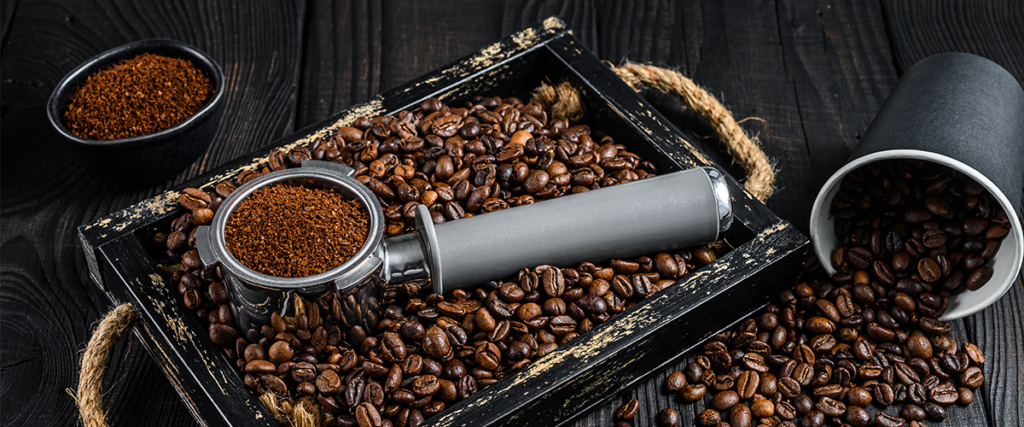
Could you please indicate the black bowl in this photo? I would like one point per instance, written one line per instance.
(151, 158)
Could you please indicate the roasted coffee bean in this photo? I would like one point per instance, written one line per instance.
(740, 416)
(813, 419)
(668, 418)
(755, 362)
(223, 335)
(912, 412)
(425, 385)
(274, 384)
(692, 392)
(487, 355)
(785, 410)
(972, 378)
(856, 416)
(723, 382)
(789, 387)
(830, 407)
(885, 420)
(762, 408)
(628, 410)
(367, 415)
(328, 383)
(709, 418)
(934, 412)
(883, 394)
(966, 396)
(747, 384)
(435, 342)
(974, 354)
(724, 400)
(675, 382)
(304, 372)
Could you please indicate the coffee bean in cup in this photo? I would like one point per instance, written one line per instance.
(916, 226)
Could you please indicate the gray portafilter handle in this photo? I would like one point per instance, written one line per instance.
(661, 213)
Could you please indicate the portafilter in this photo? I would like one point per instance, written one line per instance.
(660, 213)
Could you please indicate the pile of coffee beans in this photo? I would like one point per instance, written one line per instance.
(914, 225)
(913, 233)
(293, 231)
(433, 350)
(137, 96)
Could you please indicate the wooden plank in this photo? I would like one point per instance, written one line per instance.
(994, 30)
(6, 15)
(357, 49)
(49, 304)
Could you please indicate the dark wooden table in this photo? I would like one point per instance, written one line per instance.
(809, 74)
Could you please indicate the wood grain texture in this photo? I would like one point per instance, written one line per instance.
(994, 30)
(47, 301)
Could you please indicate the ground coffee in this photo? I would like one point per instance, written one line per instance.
(138, 96)
(293, 231)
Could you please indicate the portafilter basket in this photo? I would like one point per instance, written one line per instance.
(660, 213)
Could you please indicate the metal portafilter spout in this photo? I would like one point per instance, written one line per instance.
(656, 214)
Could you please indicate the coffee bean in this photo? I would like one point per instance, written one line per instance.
(813, 419)
(755, 362)
(675, 381)
(747, 384)
(367, 415)
(885, 420)
(789, 387)
(628, 410)
(785, 410)
(487, 355)
(934, 327)
(978, 277)
(304, 372)
(945, 393)
(972, 378)
(274, 384)
(709, 418)
(724, 400)
(435, 342)
(974, 353)
(934, 412)
(912, 412)
(762, 408)
(929, 270)
(830, 407)
(884, 394)
(328, 383)
(222, 335)
(740, 415)
(856, 416)
(693, 392)
(966, 396)
(668, 418)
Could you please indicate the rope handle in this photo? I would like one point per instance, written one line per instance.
(565, 102)
(112, 327)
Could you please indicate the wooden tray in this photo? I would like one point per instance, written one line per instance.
(586, 372)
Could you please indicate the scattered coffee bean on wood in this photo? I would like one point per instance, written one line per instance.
(293, 231)
(137, 96)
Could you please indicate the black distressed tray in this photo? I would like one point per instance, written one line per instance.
(588, 371)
